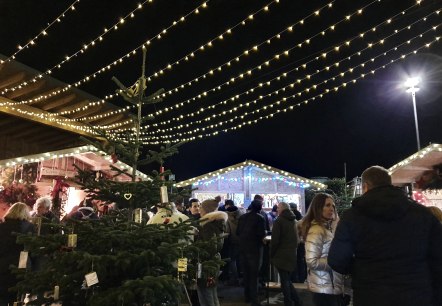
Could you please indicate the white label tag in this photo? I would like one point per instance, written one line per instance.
(91, 279)
(199, 270)
(138, 215)
(72, 240)
(163, 194)
(23, 260)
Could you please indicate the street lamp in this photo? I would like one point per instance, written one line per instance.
(412, 86)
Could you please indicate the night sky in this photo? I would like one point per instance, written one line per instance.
(369, 122)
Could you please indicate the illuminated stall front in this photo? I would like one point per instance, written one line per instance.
(50, 170)
(241, 182)
(421, 175)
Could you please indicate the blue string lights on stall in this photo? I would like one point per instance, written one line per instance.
(253, 179)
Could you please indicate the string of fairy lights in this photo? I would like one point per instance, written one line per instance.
(84, 48)
(185, 58)
(235, 97)
(209, 43)
(323, 54)
(33, 41)
(114, 63)
(147, 141)
(314, 87)
(66, 121)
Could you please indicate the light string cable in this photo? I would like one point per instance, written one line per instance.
(283, 75)
(82, 50)
(185, 58)
(33, 41)
(244, 53)
(306, 101)
(314, 87)
(308, 77)
(116, 62)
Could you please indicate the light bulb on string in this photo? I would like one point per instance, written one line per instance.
(327, 68)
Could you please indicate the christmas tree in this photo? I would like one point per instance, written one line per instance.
(118, 259)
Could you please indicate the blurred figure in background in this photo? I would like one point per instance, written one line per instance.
(16, 221)
(85, 211)
(232, 241)
(283, 251)
(251, 231)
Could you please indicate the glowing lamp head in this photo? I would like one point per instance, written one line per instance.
(412, 84)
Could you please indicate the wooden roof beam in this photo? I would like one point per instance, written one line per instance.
(87, 112)
(62, 100)
(25, 90)
(11, 80)
(45, 94)
(72, 107)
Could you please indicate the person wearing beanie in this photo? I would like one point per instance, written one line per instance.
(212, 224)
(251, 232)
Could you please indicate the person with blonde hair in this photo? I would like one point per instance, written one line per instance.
(16, 221)
(317, 230)
(436, 211)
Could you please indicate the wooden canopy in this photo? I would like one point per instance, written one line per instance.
(30, 126)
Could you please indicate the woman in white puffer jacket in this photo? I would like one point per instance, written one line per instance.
(317, 230)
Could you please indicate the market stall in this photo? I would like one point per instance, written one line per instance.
(421, 175)
(242, 181)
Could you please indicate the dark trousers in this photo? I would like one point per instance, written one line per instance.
(322, 299)
(291, 297)
(251, 263)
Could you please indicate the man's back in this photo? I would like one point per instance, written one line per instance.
(393, 240)
(251, 231)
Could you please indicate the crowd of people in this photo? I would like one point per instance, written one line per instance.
(385, 250)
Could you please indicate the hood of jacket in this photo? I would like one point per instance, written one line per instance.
(287, 214)
(214, 216)
(383, 203)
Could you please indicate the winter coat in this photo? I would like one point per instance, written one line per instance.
(392, 246)
(251, 231)
(212, 225)
(85, 213)
(284, 241)
(10, 250)
(320, 277)
(233, 214)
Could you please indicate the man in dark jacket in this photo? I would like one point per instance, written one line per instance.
(390, 245)
(283, 251)
(251, 231)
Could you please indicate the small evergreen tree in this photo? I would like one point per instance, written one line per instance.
(135, 263)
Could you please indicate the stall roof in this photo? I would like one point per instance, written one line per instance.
(248, 163)
(90, 155)
(44, 115)
(411, 168)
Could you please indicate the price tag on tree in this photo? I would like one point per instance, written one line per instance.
(138, 215)
(91, 279)
(182, 264)
(163, 194)
(22, 262)
(72, 240)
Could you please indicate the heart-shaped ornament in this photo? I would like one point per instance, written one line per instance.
(127, 196)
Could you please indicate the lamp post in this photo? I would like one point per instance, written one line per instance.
(412, 86)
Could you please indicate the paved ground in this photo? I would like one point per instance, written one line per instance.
(233, 296)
